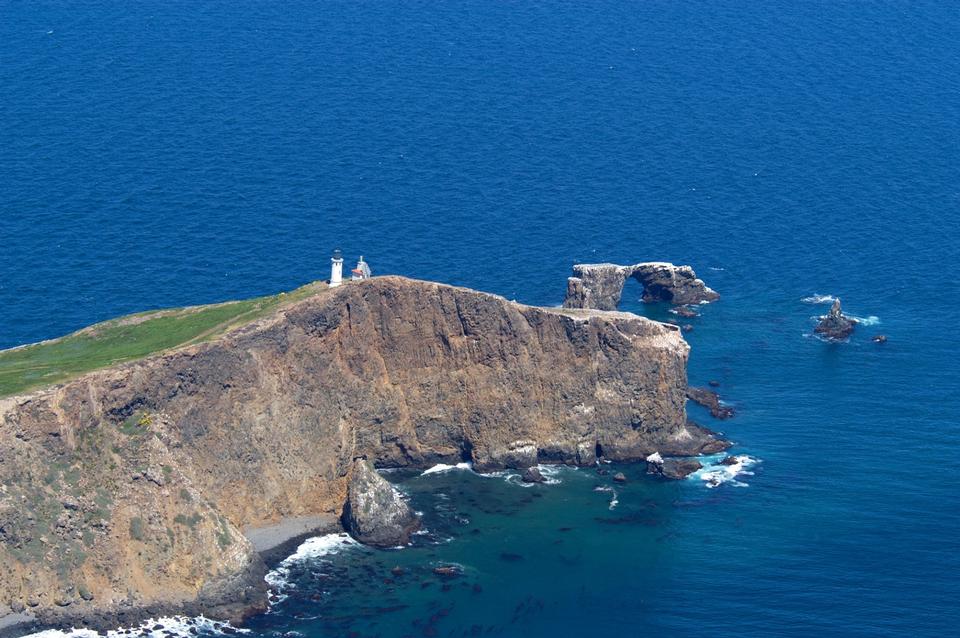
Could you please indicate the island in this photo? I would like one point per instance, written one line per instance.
(149, 464)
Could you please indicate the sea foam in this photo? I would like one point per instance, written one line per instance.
(714, 474)
(443, 467)
(312, 548)
(166, 627)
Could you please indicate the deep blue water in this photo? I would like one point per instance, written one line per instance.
(160, 154)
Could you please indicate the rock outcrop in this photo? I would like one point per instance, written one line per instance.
(710, 400)
(532, 475)
(670, 468)
(123, 493)
(600, 286)
(835, 325)
(375, 513)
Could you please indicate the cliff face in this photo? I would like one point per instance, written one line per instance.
(125, 491)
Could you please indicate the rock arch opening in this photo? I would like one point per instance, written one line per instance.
(601, 286)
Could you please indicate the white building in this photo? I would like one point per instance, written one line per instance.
(336, 269)
(362, 271)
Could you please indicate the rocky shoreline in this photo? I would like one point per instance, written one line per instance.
(126, 490)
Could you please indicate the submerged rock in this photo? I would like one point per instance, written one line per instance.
(619, 477)
(447, 571)
(835, 325)
(879, 339)
(375, 513)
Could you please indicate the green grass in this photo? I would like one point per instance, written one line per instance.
(130, 338)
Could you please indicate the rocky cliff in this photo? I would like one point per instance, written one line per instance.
(123, 493)
(601, 285)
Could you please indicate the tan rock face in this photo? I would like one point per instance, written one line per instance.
(127, 488)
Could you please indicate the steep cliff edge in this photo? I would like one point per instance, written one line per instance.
(123, 492)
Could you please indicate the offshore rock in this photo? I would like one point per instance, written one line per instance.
(835, 325)
(375, 513)
(671, 468)
(262, 424)
(710, 400)
(532, 475)
(600, 286)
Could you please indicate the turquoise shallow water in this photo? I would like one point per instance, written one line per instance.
(161, 154)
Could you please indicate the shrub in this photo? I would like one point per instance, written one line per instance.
(136, 528)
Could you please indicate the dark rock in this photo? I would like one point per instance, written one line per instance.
(710, 400)
(397, 571)
(600, 286)
(713, 384)
(672, 468)
(375, 513)
(619, 478)
(685, 311)
(879, 339)
(835, 325)
(447, 571)
(730, 460)
(715, 446)
(17, 607)
(686, 327)
(532, 475)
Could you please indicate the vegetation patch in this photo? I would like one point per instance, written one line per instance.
(136, 528)
(223, 533)
(188, 521)
(137, 423)
(130, 338)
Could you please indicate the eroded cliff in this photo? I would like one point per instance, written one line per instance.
(124, 492)
(601, 285)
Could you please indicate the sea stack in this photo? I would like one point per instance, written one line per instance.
(599, 286)
(375, 513)
(835, 326)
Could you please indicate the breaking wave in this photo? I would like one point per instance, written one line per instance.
(279, 577)
(714, 473)
(152, 628)
(818, 299)
(872, 320)
(443, 467)
(614, 501)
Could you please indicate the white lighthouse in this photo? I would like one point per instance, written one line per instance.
(336, 269)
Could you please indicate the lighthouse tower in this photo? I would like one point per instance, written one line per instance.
(336, 269)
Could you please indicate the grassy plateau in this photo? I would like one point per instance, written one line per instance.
(129, 338)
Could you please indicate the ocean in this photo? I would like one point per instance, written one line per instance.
(157, 154)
